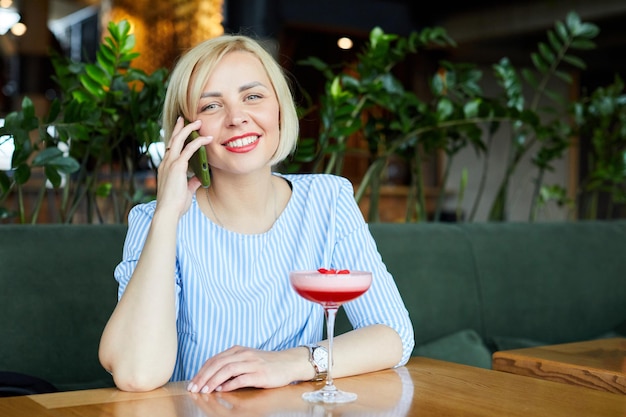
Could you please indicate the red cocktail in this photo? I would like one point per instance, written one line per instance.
(331, 289)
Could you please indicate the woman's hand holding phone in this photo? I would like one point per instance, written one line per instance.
(173, 185)
(199, 163)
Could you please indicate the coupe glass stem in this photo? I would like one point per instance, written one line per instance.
(329, 393)
(331, 313)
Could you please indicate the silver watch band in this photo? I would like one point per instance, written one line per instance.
(319, 374)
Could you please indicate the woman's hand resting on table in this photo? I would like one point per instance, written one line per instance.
(240, 367)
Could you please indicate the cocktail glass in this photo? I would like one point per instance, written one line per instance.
(331, 289)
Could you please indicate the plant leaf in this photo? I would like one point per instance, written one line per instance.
(575, 61)
(554, 40)
(564, 76)
(21, 174)
(104, 189)
(562, 31)
(46, 156)
(106, 59)
(53, 176)
(546, 53)
(539, 63)
(584, 44)
(98, 74)
(5, 182)
(53, 112)
(92, 86)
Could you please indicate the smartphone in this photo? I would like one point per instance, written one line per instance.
(199, 163)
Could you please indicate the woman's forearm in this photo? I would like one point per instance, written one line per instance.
(367, 349)
(139, 345)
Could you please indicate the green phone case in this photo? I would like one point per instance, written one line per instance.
(199, 163)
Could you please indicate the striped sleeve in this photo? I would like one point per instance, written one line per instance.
(382, 303)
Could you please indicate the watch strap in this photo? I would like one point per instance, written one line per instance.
(319, 374)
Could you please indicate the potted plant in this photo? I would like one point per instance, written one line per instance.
(367, 99)
(86, 150)
(601, 118)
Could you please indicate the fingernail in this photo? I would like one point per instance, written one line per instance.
(192, 387)
(218, 389)
(205, 389)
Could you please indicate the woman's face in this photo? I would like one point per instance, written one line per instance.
(239, 108)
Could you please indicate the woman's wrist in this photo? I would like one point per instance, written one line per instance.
(304, 371)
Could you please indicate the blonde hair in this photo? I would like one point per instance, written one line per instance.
(196, 65)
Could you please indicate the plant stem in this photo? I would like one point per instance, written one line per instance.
(38, 204)
(483, 179)
(418, 176)
(442, 190)
(20, 204)
(532, 215)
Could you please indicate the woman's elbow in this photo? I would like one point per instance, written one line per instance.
(132, 378)
(137, 382)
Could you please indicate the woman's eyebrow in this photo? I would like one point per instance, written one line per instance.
(241, 89)
(210, 94)
(251, 85)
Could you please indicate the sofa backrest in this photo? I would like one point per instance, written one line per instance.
(57, 290)
(546, 282)
(432, 265)
(551, 282)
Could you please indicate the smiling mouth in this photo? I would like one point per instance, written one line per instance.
(241, 142)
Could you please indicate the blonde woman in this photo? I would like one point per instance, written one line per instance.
(204, 293)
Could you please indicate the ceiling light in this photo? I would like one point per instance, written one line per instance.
(18, 29)
(344, 43)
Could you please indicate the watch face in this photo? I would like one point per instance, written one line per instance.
(320, 356)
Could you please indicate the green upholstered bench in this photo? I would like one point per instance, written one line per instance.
(57, 293)
(470, 289)
(474, 288)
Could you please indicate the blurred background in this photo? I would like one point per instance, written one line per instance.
(485, 30)
(334, 31)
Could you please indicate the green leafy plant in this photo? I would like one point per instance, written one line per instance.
(89, 144)
(86, 151)
(544, 125)
(601, 119)
(368, 100)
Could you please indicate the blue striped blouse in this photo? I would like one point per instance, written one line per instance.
(233, 289)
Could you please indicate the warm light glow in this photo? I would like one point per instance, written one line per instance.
(6, 3)
(344, 43)
(163, 29)
(8, 17)
(18, 29)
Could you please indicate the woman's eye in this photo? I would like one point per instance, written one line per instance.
(211, 106)
(253, 97)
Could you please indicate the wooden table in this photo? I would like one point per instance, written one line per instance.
(425, 387)
(598, 364)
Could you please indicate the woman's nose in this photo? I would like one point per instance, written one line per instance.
(237, 117)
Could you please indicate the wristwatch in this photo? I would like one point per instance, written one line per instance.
(318, 356)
